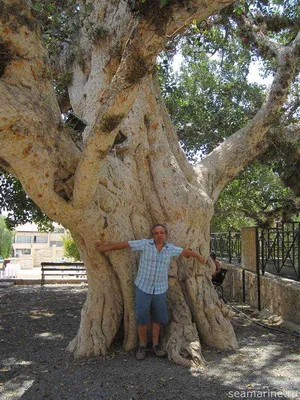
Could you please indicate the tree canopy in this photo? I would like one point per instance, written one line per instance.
(256, 197)
(210, 98)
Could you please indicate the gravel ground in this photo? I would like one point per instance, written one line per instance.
(37, 324)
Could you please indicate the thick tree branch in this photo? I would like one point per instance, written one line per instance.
(277, 22)
(139, 57)
(280, 137)
(35, 147)
(224, 163)
(255, 33)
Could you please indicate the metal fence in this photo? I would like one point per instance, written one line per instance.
(227, 245)
(279, 249)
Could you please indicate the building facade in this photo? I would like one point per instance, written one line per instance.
(32, 247)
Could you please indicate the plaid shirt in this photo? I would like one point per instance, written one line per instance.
(152, 275)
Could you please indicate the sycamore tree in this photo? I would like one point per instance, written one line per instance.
(127, 171)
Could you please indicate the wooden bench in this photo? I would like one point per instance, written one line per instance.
(62, 270)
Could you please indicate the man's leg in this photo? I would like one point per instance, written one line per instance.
(155, 333)
(142, 334)
(142, 313)
(159, 317)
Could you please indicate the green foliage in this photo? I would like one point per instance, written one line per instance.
(6, 239)
(162, 3)
(98, 32)
(210, 99)
(256, 197)
(19, 206)
(60, 21)
(70, 248)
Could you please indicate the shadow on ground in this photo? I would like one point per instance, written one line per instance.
(37, 324)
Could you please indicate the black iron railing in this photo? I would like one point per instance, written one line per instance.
(227, 245)
(278, 249)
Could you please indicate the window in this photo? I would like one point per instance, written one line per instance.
(56, 243)
(21, 252)
(40, 239)
(22, 239)
(18, 253)
(59, 230)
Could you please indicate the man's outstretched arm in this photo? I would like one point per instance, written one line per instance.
(103, 247)
(195, 254)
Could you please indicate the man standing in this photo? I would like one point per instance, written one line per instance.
(151, 282)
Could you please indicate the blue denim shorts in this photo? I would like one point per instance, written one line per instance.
(153, 305)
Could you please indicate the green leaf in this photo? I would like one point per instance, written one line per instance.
(163, 3)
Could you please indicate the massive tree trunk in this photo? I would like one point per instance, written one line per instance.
(109, 189)
(146, 180)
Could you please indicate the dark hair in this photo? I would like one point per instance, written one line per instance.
(166, 230)
(213, 255)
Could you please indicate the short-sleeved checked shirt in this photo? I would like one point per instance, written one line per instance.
(152, 275)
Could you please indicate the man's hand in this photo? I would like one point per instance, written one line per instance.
(195, 254)
(202, 259)
(102, 246)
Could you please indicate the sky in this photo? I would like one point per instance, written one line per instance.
(253, 76)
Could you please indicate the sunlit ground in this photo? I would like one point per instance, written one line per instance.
(37, 325)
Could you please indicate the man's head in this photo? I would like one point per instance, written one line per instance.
(159, 233)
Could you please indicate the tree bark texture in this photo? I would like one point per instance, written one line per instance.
(113, 190)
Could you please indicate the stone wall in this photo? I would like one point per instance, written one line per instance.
(50, 254)
(278, 295)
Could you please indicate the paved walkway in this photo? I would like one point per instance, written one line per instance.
(37, 324)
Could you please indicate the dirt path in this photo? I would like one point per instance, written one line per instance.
(36, 326)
